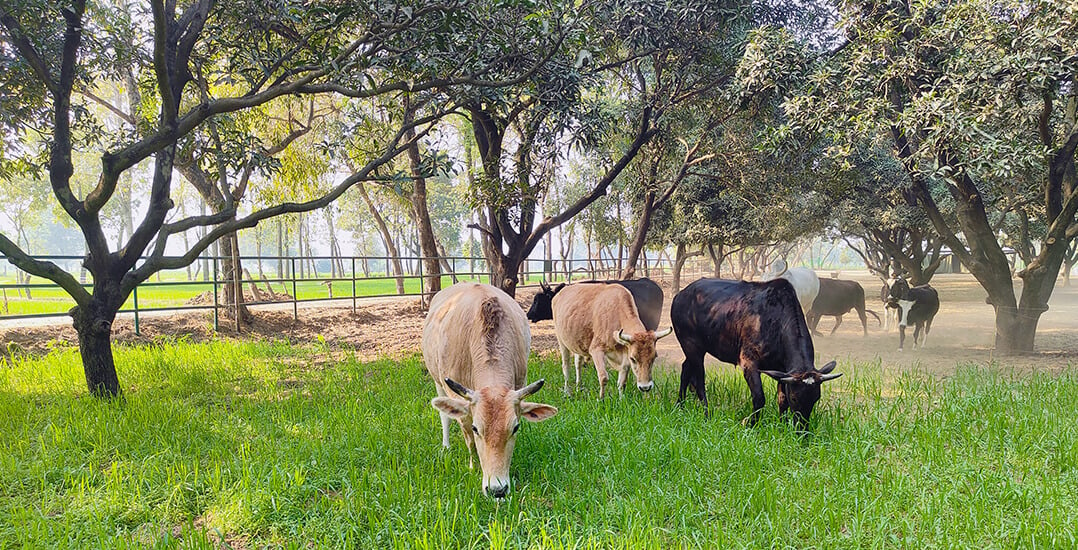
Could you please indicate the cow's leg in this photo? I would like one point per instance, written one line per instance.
(692, 373)
(565, 369)
(623, 376)
(917, 332)
(928, 327)
(864, 319)
(599, 356)
(838, 321)
(466, 427)
(446, 419)
(813, 321)
(901, 336)
(577, 360)
(756, 388)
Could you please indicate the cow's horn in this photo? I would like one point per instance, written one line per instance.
(663, 333)
(777, 375)
(621, 337)
(458, 388)
(785, 267)
(789, 380)
(831, 376)
(543, 285)
(530, 388)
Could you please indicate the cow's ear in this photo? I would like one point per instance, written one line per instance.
(775, 374)
(536, 412)
(454, 408)
(827, 368)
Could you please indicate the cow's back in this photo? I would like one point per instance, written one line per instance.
(476, 334)
(836, 297)
(926, 303)
(721, 317)
(584, 313)
(648, 297)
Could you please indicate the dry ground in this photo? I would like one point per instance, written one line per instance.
(962, 332)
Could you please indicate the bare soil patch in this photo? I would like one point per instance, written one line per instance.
(962, 332)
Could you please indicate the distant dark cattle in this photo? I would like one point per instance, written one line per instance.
(916, 306)
(758, 326)
(646, 293)
(837, 298)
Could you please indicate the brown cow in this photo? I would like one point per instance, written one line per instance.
(601, 320)
(475, 345)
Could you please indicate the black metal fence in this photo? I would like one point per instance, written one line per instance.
(294, 280)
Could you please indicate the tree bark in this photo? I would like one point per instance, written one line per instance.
(641, 235)
(427, 244)
(93, 324)
(387, 238)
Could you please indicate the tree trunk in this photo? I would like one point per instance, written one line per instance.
(679, 262)
(280, 248)
(716, 258)
(387, 238)
(427, 244)
(233, 276)
(504, 269)
(640, 237)
(93, 324)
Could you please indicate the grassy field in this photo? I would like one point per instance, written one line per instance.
(265, 444)
(177, 292)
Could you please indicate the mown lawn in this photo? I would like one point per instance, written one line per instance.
(174, 291)
(259, 444)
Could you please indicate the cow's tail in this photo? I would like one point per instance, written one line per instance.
(878, 321)
(491, 312)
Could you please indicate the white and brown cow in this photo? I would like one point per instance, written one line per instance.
(601, 320)
(475, 345)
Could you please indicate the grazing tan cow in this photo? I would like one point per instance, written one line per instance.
(601, 320)
(475, 345)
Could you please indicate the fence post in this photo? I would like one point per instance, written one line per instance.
(295, 298)
(353, 285)
(216, 325)
(422, 293)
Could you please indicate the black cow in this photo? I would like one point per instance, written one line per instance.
(759, 326)
(837, 298)
(916, 306)
(647, 295)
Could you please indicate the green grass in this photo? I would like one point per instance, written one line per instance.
(55, 300)
(269, 444)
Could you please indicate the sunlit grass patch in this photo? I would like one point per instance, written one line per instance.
(264, 443)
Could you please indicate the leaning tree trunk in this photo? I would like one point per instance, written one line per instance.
(387, 239)
(427, 244)
(640, 238)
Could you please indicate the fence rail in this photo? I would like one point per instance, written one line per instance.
(295, 280)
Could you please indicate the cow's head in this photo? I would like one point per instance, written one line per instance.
(641, 353)
(900, 290)
(493, 415)
(541, 309)
(799, 391)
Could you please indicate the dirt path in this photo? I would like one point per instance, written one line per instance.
(961, 334)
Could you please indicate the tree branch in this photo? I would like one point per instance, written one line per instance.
(27, 50)
(157, 261)
(46, 269)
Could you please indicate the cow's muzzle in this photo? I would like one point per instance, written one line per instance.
(646, 387)
(498, 490)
